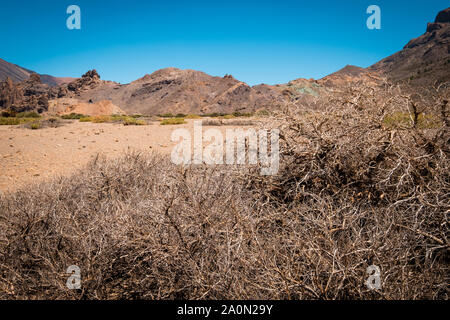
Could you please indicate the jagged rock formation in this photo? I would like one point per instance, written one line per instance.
(90, 80)
(31, 94)
(9, 94)
(423, 60)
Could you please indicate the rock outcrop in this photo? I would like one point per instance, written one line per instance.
(27, 95)
(443, 16)
(442, 19)
(89, 80)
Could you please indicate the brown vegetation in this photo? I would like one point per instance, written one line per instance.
(351, 192)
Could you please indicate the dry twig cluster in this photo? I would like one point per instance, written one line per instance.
(351, 192)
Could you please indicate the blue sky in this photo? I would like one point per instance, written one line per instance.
(255, 41)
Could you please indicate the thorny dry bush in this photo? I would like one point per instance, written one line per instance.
(362, 193)
(350, 193)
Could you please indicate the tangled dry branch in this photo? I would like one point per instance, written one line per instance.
(353, 191)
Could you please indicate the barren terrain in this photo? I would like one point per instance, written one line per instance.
(28, 156)
(357, 209)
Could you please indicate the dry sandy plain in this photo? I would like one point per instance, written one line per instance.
(30, 156)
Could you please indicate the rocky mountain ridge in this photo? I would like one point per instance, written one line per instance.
(423, 61)
(173, 90)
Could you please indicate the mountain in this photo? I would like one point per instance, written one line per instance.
(173, 90)
(18, 74)
(423, 60)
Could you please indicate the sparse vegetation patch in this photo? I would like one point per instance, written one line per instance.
(173, 121)
(73, 116)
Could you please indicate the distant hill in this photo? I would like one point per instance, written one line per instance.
(423, 60)
(18, 74)
(173, 90)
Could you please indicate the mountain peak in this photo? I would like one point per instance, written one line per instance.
(442, 20)
(167, 72)
(161, 73)
(443, 16)
(350, 70)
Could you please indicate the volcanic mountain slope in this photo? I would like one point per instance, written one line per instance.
(173, 90)
(310, 92)
(13, 71)
(423, 60)
(18, 74)
(350, 75)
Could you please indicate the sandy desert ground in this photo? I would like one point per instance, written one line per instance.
(29, 156)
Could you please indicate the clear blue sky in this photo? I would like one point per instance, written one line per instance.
(255, 41)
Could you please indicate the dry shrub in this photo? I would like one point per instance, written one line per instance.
(228, 122)
(44, 123)
(350, 193)
(172, 121)
(138, 227)
(365, 194)
(129, 121)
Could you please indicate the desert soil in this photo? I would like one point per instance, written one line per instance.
(30, 156)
